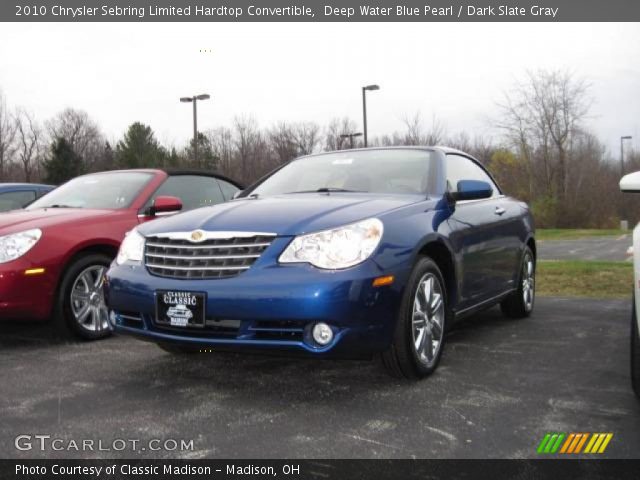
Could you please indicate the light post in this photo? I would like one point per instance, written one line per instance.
(194, 100)
(622, 139)
(364, 109)
(350, 136)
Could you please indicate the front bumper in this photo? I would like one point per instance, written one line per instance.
(24, 296)
(269, 306)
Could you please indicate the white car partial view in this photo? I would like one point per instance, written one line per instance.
(631, 183)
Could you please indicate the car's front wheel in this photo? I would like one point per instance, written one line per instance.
(81, 308)
(635, 352)
(520, 303)
(419, 336)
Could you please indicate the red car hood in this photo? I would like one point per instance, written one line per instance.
(20, 220)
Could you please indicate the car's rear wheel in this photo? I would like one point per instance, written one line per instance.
(635, 352)
(419, 335)
(81, 308)
(520, 303)
(178, 349)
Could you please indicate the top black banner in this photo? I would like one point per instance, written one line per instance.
(320, 11)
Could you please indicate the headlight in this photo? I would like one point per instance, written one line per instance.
(132, 248)
(338, 248)
(17, 244)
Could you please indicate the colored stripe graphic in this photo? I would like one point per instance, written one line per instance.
(573, 443)
(598, 442)
(581, 443)
(543, 443)
(567, 443)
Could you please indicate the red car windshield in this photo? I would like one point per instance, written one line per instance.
(101, 191)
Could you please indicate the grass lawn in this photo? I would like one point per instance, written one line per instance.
(572, 233)
(584, 279)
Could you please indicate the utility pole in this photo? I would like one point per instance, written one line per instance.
(364, 109)
(194, 100)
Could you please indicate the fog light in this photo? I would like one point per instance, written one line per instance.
(322, 334)
(112, 318)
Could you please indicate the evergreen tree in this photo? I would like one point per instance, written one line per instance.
(139, 148)
(207, 160)
(63, 163)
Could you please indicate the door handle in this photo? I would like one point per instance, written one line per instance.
(499, 211)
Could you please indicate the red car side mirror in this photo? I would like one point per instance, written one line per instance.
(165, 204)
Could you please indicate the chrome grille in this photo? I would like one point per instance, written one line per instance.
(214, 257)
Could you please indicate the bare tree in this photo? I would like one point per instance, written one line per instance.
(282, 139)
(223, 147)
(29, 136)
(7, 136)
(480, 147)
(306, 137)
(81, 132)
(542, 117)
(416, 134)
(251, 148)
(337, 127)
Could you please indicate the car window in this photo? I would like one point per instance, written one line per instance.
(463, 168)
(193, 190)
(16, 200)
(393, 171)
(228, 189)
(43, 191)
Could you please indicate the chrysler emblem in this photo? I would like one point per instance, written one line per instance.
(197, 235)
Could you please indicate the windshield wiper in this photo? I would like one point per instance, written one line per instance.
(330, 190)
(58, 205)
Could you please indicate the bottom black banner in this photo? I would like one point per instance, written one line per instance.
(317, 469)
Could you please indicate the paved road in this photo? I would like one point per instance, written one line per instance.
(501, 386)
(593, 248)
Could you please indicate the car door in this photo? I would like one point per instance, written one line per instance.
(194, 191)
(483, 234)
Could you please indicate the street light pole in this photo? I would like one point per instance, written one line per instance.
(364, 109)
(195, 130)
(194, 100)
(622, 139)
(350, 136)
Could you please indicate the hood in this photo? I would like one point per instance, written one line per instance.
(291, 214)
(20, 220)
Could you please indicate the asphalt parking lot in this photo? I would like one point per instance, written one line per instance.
(501, 386)
(608, 248)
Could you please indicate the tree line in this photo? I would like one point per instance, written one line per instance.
(545, 153)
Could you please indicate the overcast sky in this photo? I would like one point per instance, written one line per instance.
(121, 73)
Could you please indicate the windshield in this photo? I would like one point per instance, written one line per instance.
(373, 171)
(103, 190)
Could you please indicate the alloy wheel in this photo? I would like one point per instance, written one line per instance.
(428, 319)
(528, 282)
(87, 300)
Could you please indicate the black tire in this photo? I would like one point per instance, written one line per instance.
(402, 358)
(515, 305)
(635, 352)
(178, 349)
(66, 322)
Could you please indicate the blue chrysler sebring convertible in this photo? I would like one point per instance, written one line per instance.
(350, 253)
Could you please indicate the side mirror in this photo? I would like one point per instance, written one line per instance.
(165, 204)
(472, 190)
(630, 183)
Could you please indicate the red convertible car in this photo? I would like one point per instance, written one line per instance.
(54, 253)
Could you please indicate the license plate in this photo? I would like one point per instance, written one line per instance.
(180, 309)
